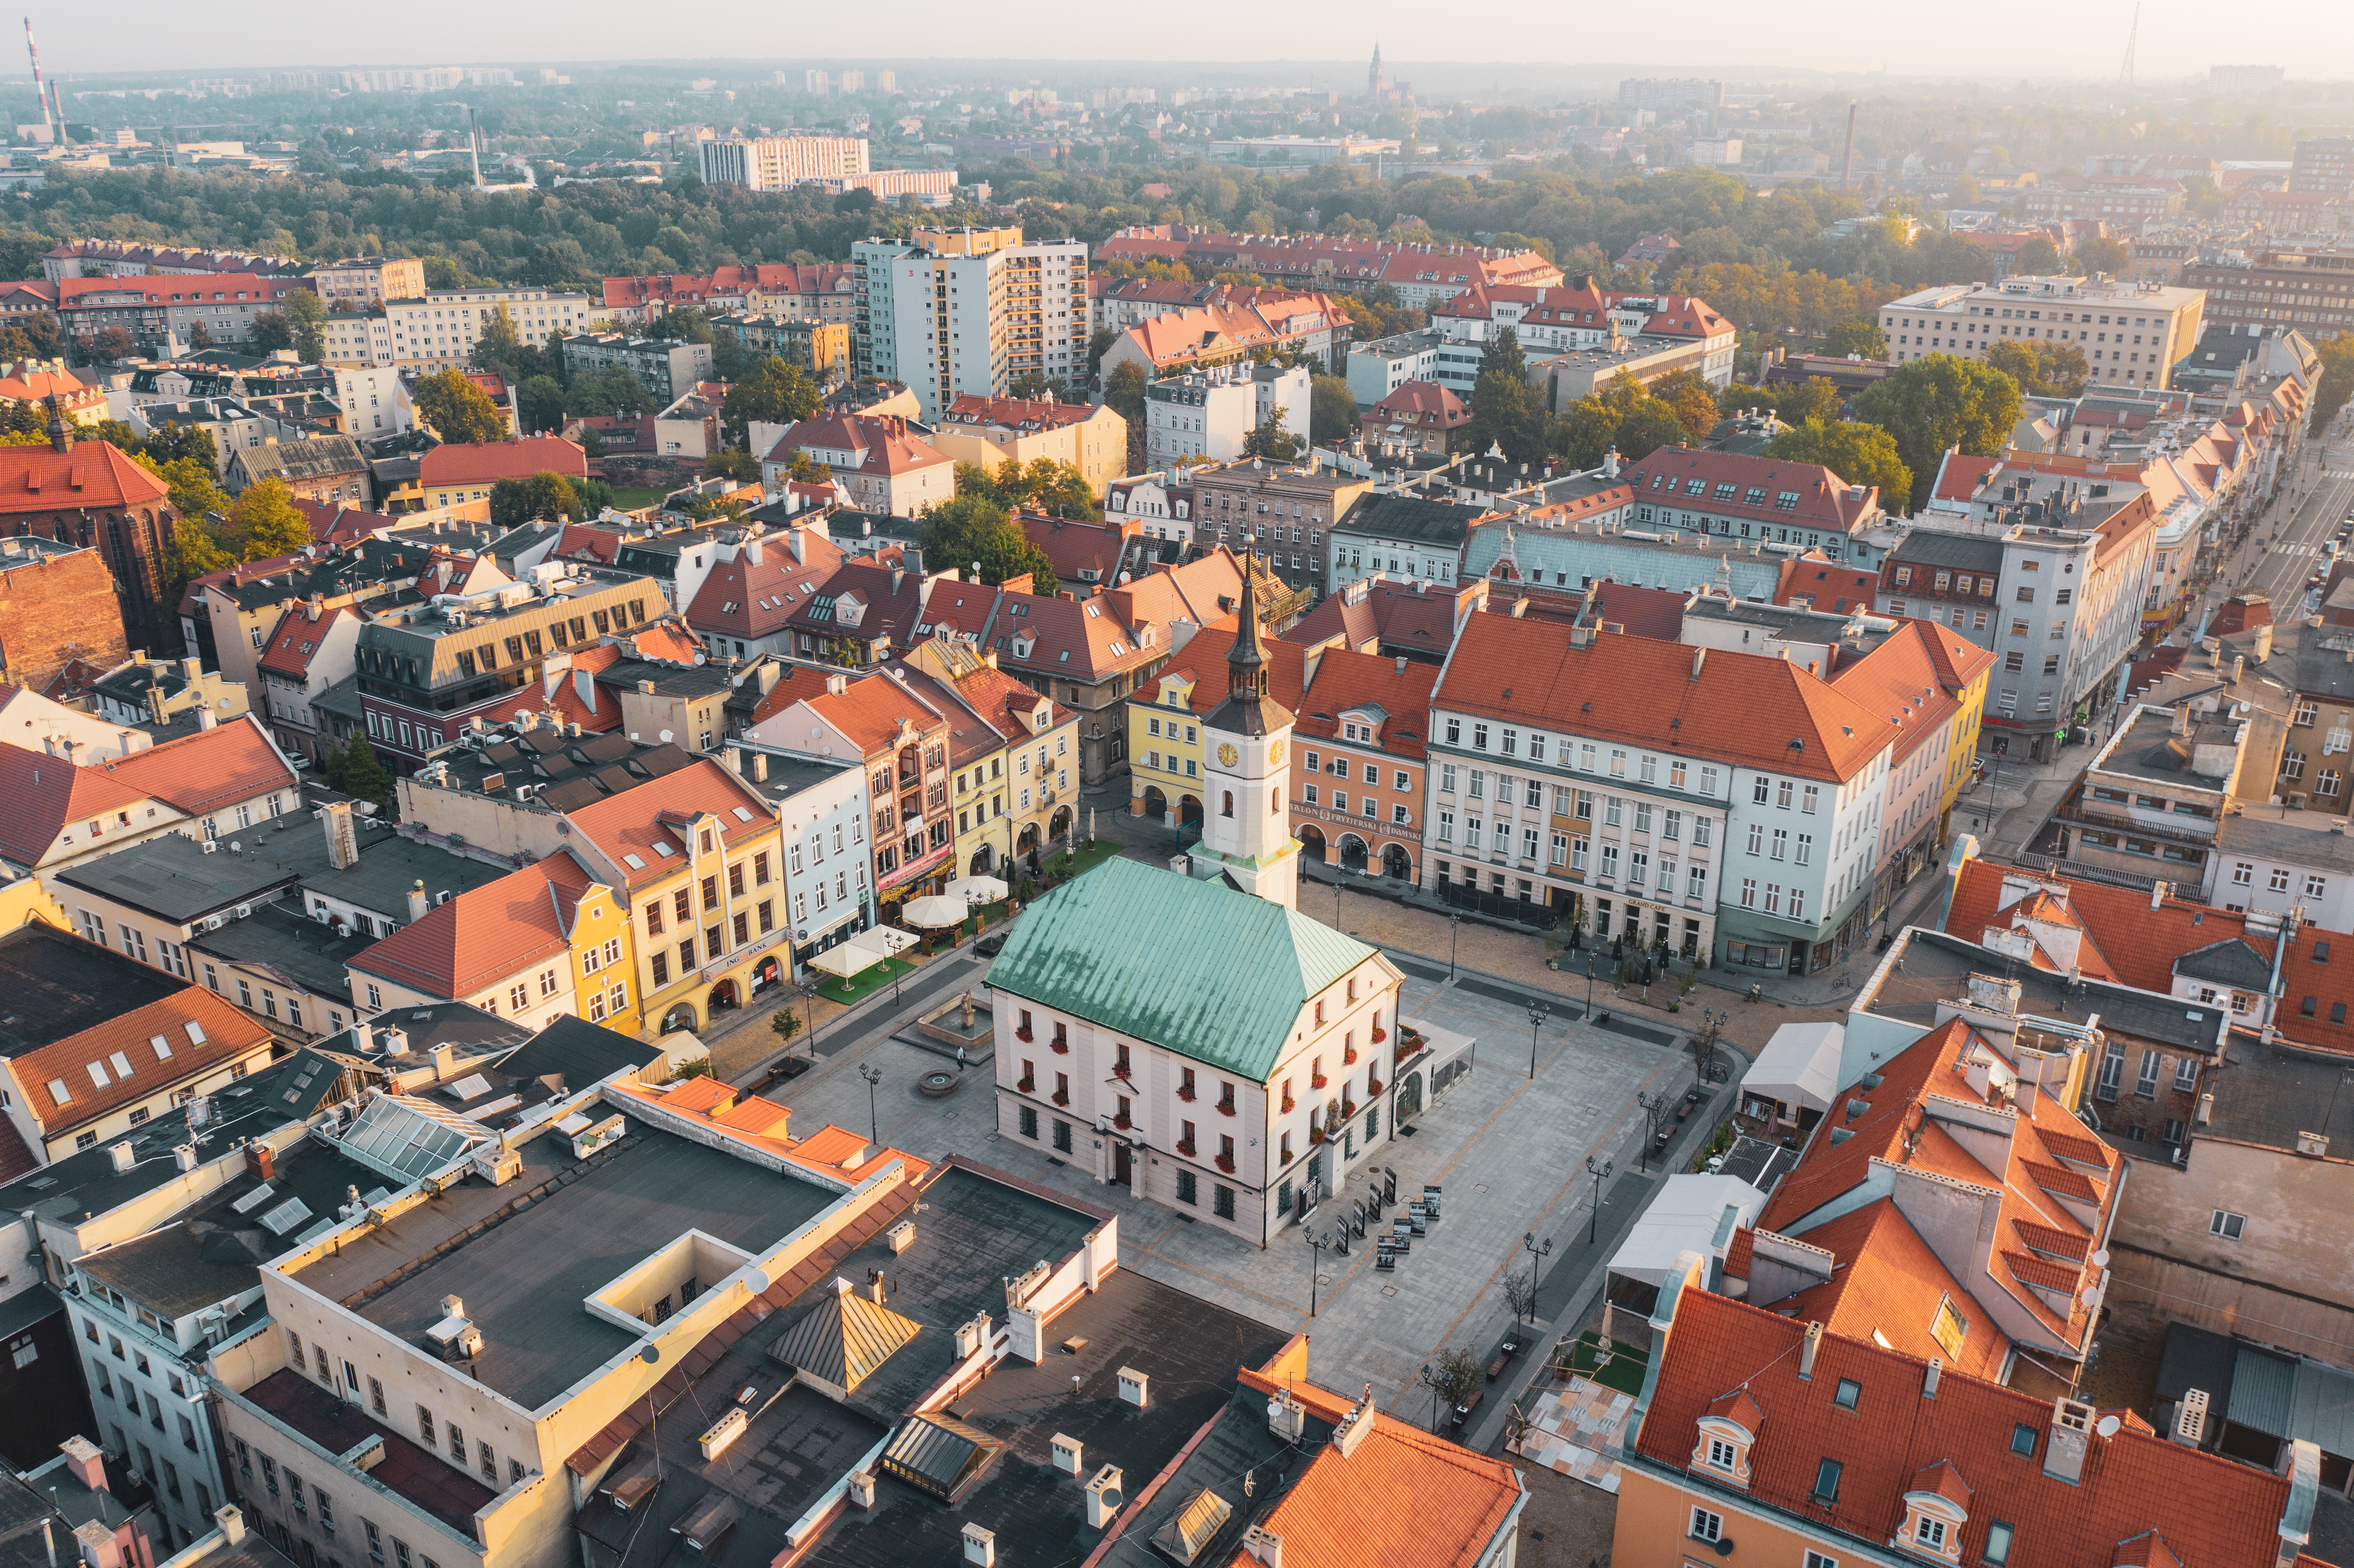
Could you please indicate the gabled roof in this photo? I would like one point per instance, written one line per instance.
(869, 711)
(40, 795)
(1887, 1282)
(1905, 680)
(744, 597)
(1750, 710)
(2124, 937)
(484, 935)
(298, 638)
(1215, 975)
(232, 761)
(487, 461)
(118, 1062)
(91, 475)
(1423, 403)
(629, 825)
(320, 457)
(1824, 501)
(2215, 1511)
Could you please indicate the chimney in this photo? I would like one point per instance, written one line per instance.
(87, 1461)
(418, 903)
(231, 1520)
(1264, 1547)
(60, 431)
(760, 768)
(1104, 1497)
(155, 712)
(205, 717)
(979, 1546)
(99, 1549)
(193, 669)
(1067, 1451)
(262, 1160)
(2158, 891)
(343, 842)
(1929, 1379)
(445, 1062)
(1806, 1352)
(736, 760)
(2064, 1449)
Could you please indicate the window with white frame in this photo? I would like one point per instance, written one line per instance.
(1707, 1526)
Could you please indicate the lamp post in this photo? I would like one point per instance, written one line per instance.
(1454, 934)
(1430, 1380)
(873, 1076)
(1540, 1251)
(1316, 1245)
(1536, 1022)
(1600, 1173)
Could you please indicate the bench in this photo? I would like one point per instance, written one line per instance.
(1496, 1367)
(1463, 1410)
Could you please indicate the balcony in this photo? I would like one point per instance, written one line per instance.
(2122, 822)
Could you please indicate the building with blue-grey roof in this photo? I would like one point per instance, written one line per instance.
(1573, 558)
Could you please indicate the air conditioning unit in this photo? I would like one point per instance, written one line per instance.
(211, 846)
(497, 1164)
(442, 896)
(455, 1339)
(244, 911)
(320, 915)
(213, 922)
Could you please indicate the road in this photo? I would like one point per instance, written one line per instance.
(2278, 560)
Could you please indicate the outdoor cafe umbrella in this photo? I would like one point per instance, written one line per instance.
(977, 889)
(935, 911)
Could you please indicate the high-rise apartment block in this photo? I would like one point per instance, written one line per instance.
(2132, 333)
(959, 312)
(2324, 163)
(774, 162)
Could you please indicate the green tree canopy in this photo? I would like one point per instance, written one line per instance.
(356, 771)
(539, 404)
(306, 323)
(1858, 453)
(545, 495)
(1504, 410)
(1693, 399)
(775, 393)
(2039, 257)
(1331, 410)
(2103, 255)
(1269, 439)
(1123, 394)
(1933, 404)
(458, 411)
(2336, 383)
(2044, 370)
(967, 530)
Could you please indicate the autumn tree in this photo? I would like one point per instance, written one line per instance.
(1692, 398)
(775, 393)
(264, 522)
(1856, 336)
(970, 530)
(457, 410)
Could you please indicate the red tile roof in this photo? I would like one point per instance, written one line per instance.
(226, 1035)
(632, 823)
(2217, 1514)
(743, 598)
(1754, 712)
(2124, 938)
(881, 442)
(1886, 1281)
(1824, 501)
(484, 462)
(1016, 413)
(868, 711)
(41, 795)
(233, 761)
(1423, 403)
(1416, 616)
(484, 935)
(298, 637)
(92, 476)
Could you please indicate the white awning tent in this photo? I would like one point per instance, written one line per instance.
(1798, 1069)
(1693, 1213)
(862, 952)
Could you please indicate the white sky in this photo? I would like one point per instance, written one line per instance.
(1995, 38)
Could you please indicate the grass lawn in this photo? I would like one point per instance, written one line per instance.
(865, 982)
(1623, 1371)
(629, 498)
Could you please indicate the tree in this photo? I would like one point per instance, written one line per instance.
(970, 530)
(1692, 398)
(1646, 428)
(1521, 1294)
(199, 335)
(596, 496)
(2039, 257)
(545, 495)
(2103, 255)
(2053, 370)
(1856, 336)
(1269, 439)
(1038, 384)
(355, 768)
(2337, 382)
(1097, 346)
(785, 1024)
(1859, 454)
(189, 481)
(775, 393)
(1936, 403)
(500, 346)
(1504, 411)
(1457, 1375)
(1331, 410)
(306, 323)
(539, 404)
(270, 332)
(458, 411)
(1124, 395)
(732, 462)
(264, 523)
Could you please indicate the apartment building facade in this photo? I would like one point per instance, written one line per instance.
(777, 163)
(2311, 291)
(2131, 333)
(1692, 796)
(438, 330)
(362, 281)
(1766, 500)
(668, 368)
(967, 311)
(1279, 510)
(1207, 415)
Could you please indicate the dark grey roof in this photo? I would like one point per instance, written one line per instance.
(173, 878)
(582, 1053)
(842, 1338)
(279, 939)
(2228, 962)
(1394, 516)
(2196, 1358)
(54, 984)
(523, 1276)
(250, 1107)
(343, 700)
(1926, 547)
(1937, 967)
(669, 680)
(573, 769)
(2303, 837)
(320, 456)
(2266, 1095)
(2321, 670)
(424, 1027)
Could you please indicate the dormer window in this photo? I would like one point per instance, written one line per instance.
(1721, 1454)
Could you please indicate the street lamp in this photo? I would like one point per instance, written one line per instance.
(1454, 934)
(1430, 1381)
(1316, 1245)
(1536, 1022)
(873, 1076)
(1600, 1173)
(1539, 1251)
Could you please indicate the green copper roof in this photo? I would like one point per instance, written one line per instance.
(1193, 967)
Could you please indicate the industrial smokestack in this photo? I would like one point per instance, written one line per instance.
(1847, 166)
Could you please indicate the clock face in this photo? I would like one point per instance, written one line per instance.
(1227, 756)
(1274, 753)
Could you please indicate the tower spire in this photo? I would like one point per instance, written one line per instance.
(1246, 660)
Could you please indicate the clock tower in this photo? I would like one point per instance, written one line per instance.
(1247, 820)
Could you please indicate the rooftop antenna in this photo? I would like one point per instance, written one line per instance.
(2133, 34)
(39, 89)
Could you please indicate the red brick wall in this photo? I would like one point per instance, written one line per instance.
(52, 611)
(133, 545)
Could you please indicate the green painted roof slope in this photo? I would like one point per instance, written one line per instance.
(1193, 967)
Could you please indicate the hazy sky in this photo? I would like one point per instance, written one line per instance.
(1997, 38)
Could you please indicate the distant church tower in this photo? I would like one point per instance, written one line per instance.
(1374, 76)
(1247, 827)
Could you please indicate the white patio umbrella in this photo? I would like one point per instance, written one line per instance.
(881, 941)
(845, 961)
(934, 912)
(980, 889)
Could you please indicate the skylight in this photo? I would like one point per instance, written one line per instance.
(196, 1032)
(742, 815)
(662, 847)
(634, 863)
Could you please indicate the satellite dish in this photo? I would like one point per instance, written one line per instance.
(2100, 1258)
(665, 737)
(2108, 1426)
(758, 1281)
(651, 1354)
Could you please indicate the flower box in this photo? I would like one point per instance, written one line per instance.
(1122, 1122)
(1024, 1035)
(1186, 1149)
(1224, 1164)
(1319, 1081)
(1059, 1047)
(1380, 1034)
(1029, 1086)
(1288, 1103)
(1225, 1107)
(1349, 1057)
(1061, 1098)
(1373, 1086)
(1348, 1110)
(1185, 1095)
(1315, 1134)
